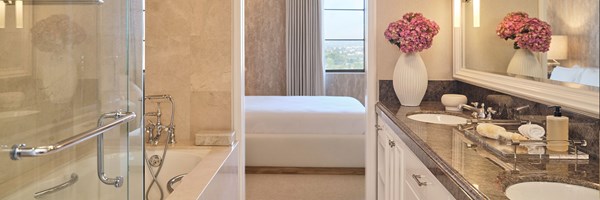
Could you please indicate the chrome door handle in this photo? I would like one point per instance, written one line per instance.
(118, 180)
(418, 180)
(21, 150)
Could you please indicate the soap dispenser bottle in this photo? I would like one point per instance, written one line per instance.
(557, 128)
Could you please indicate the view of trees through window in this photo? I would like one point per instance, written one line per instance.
(344, 48)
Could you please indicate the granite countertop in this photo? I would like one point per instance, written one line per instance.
(470, 172)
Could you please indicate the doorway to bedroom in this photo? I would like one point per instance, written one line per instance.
(305, 86)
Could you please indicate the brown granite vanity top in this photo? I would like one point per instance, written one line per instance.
(472, 172)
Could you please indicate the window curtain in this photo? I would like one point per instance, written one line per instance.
(304, 68)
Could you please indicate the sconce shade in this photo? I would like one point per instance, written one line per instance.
(558, 48)
(2, 14)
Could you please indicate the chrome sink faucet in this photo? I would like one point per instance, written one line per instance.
(478, 112)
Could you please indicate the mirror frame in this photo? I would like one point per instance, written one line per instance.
(585, 102)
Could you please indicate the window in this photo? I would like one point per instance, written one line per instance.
(344, 35)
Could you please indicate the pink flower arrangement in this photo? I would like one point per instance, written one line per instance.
(529, 33)
(412, 33)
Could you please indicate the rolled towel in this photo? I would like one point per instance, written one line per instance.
(533, 131)
(496, 132)
(512, 136)
(490, 130)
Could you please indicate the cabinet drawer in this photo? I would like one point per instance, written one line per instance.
(420, 180)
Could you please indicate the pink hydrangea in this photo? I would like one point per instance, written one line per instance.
(529, 33)
(412, 33)
(511, 25)
(536, 36)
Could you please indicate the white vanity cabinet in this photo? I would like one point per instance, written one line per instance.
(400, 174)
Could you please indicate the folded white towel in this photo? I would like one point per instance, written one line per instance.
(533, 131)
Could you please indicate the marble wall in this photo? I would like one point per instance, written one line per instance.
(346, 84)
(438, 58)
(265, 47)
(188, 55)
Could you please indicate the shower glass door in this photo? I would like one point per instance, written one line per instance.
(63, 64)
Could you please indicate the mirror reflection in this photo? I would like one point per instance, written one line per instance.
(547, 40)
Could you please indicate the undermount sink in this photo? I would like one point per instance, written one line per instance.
(438, 118)
(550, 191)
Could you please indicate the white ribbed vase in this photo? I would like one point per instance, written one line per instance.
(410, 79)
(524, 63)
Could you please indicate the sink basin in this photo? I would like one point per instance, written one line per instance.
(439, 119)
(550, 191)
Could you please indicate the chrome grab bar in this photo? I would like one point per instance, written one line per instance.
(117, 181)
(59, 187)
(21, 150)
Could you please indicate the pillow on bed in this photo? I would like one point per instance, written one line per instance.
(590, 76)
(565, 74)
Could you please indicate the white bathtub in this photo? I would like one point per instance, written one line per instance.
(204, 164)
(179, 160)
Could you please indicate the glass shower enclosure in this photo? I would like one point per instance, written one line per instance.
(71, 99)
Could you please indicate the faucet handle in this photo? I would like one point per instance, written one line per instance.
(490, 112)
(476, 104)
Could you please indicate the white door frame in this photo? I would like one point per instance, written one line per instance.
(371, 97)
(237, 95)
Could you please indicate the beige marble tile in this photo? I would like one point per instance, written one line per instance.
(211, 18)
(210, 111)
(188, 56)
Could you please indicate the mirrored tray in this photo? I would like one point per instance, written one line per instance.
(507, 150)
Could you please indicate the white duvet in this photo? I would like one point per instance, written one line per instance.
(304, 115)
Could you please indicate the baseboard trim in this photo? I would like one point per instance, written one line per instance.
(306, 170)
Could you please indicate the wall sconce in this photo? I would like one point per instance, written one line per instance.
(19, 13)
(456, 14)
(559, 46)
(476, 13)
(2, 14)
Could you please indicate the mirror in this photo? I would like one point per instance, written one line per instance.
(567, 54)
(15, 45)
(546, 50)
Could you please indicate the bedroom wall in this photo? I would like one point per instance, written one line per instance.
(438, 58)
(265, 55)
(188, 55)
(581, 27)
(265, 47)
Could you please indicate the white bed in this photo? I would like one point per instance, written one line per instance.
(304, 131)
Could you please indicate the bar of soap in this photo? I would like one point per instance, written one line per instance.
(214, 138)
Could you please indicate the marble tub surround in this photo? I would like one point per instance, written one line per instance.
(215, 138)
(581, 127)
(470, 173)
(216, 172)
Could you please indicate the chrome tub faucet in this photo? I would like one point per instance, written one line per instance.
(155, 130)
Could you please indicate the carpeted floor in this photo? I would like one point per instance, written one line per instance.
(304, 187)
